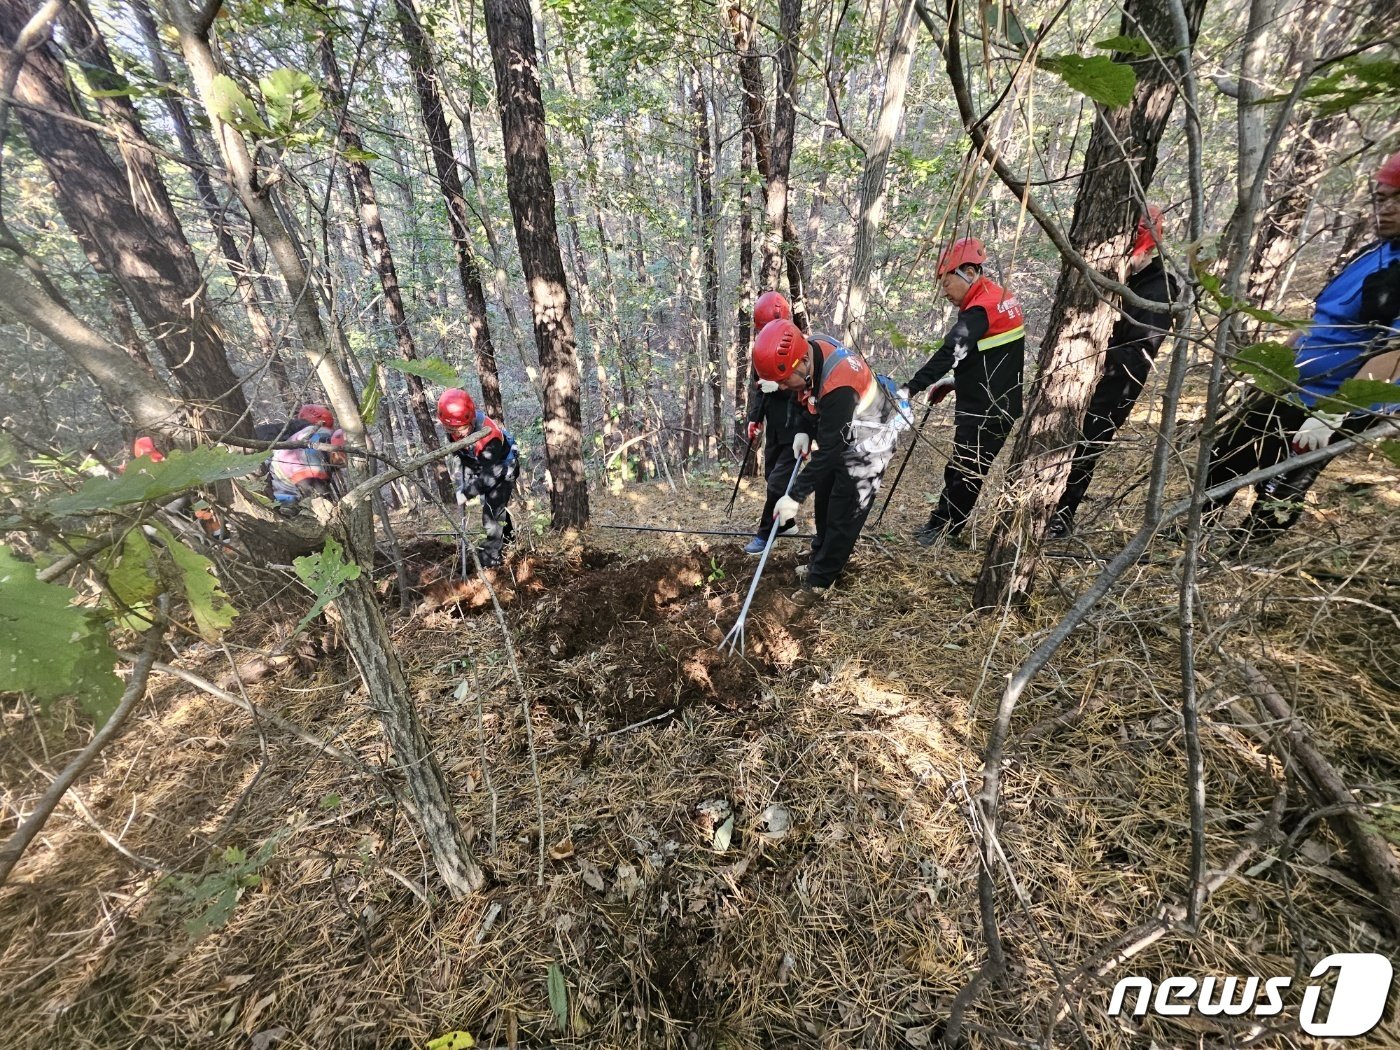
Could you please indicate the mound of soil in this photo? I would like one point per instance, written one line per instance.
(623, 642)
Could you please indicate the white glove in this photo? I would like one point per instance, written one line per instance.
(1316, 431)
(801, 445)
(461, 498)
(941, 389)
(785, 509)
(767, 386)
(902, 393)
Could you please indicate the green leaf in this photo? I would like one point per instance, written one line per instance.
(229, 104)
(145, 481)
(1128, 45)
(50, 648)
(134, 581)
(558, 997)
(370, 398)
(362, 156)
(330, 801)
(292, 99)
(1391, 450)
(432, 368)
(1001, 18)
(325, 576)
(1272, 364)
(1361, 394)
(212, 610)
(452, 1041)
(1105, 81)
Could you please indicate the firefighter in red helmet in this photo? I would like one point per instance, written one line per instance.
(985, 351)
(1132, 347)
(489, 467)
(774, 413)
(851, 416)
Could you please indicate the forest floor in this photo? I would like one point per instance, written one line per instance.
(773, 851)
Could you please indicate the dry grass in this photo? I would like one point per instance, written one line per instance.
(854, 926)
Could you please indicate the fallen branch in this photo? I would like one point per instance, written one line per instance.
(1368, 847)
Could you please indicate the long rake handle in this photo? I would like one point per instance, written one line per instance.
(735, 638)
(900, 473)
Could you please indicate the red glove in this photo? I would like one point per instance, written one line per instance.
(753, 432)
(941, 389)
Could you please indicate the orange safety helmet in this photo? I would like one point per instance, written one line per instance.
(317, 414)
(455, 408)
(962, 252)
(1149, 233)
(771, 306)
(777, 349)
(146, 447)
(1388, 175)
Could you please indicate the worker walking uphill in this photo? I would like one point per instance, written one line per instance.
(1132, 347)
(301, 473)
(489, 465)
(853, 418)
(774, 412)
(1353, 334)
(985, 350)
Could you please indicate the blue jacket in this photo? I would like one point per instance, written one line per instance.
(1361, 304)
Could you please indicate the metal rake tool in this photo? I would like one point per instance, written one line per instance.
(734, 640)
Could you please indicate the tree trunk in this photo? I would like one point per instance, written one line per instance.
(152, 262)
(124, 383)
(371, 644)
(777, 222)
(852, 309)
(383, 259)
(743, 321)
(751, 79)
(709, 219)
(1119, 163)
(425, 82)
(531, 190)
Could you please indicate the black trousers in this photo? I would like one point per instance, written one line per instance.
(1108, 410)
(977, 438)
(779, 428)
(841, 502)
(1260, 434)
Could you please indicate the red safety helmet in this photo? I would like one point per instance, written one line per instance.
(146, 447)
(456, 409)
(967, 250)
(777, 349)
(1149, 233)
(771, 306)
(1388, 175)
(318, 414)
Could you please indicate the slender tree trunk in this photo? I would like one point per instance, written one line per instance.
(743, 321)
(777, 223)
(370, 643)
(383, 256)
(425, 82)
(213, 209)
(709, 220)
(852, 309)
(751, 80)
(1118, 166)
(153, 263)
(531, 190)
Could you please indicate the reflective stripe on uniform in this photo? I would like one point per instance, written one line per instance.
(1001, 338)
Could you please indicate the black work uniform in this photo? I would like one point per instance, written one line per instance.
(1132, 347)
(489, 470)
(852, 426)
(987, 355)
(779, 414)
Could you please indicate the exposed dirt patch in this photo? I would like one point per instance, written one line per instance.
(627, 641)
